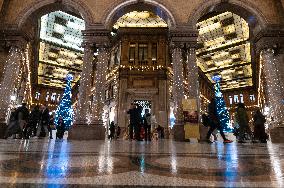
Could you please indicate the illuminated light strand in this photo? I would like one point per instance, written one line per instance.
(98, 98)
(8, 84)
(178, 89)
(274, 86)
(81, 116)
(65, 109)
(192, 76)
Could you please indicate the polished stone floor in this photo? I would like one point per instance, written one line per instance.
(44, 163)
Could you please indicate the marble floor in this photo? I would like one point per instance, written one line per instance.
(50, 163)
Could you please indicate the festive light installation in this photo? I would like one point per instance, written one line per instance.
(223, 113)
(65, 109)
(274, 87)
(178, 89)
(192, 74)
(11, 71)
(85, 83)
(101, 75)
(28, 91)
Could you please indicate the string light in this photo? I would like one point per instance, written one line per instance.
(98, 99)
(65, 109)
(274, 87)
(178, 89)
(8, 84)
(85, 82)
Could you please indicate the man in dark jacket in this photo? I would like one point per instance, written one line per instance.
(135, 121)
(44, 122)
(147, 124)
(34, 119)
(214, 122)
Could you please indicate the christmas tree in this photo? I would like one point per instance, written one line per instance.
(223, 113)
(65, 109)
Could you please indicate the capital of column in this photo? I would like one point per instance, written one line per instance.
(100, 37)
(271, 37)
(184, 35)
(13, 38)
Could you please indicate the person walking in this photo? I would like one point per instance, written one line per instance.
(51, 126)
(243, 122)
(13, 125)
(112, 130)
(259, 128)
(23, 116)
(34, 119)
(44, 122)
(215, 122)
(135, 121)
(147, 125)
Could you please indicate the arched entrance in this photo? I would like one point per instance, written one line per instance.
(52, 49)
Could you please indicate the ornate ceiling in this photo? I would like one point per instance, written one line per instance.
(225, 50)
(60, 50)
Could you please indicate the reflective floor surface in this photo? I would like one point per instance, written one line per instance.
(44, 163)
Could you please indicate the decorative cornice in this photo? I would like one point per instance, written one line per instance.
(99, 37)
(183, 35)
(10, 38)
(270, 37)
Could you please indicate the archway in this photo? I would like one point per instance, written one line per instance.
(226, 48)
(148, 5)
(139, 54)
(54, 30)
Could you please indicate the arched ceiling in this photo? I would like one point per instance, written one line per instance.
(225, 49)
(60, 50)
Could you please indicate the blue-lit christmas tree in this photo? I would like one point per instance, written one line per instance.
(223, 113)
(65, 109)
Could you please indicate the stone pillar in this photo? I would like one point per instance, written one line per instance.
(274, 85)
(8, 84)
(193, 85)
(99, 92)
(178, 92)
(85, 85)
(269, 45)
(81, 130)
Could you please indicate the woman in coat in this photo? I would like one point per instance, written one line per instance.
(243, 122)
(259, 128)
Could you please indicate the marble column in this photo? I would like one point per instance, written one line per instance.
(178, 92)
(8, 84)
(81, 130)
(193, 85)
(100, 79)
(85, 85)
(274, 86)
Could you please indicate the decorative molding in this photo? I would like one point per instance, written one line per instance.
(16, 38)
(77, 5)
(272, 36)
(100, 37)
